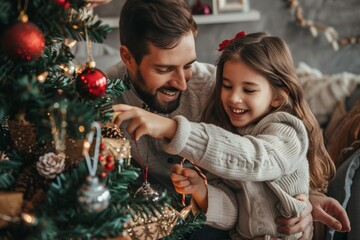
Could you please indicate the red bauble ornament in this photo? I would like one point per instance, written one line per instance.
(23, 41)
(91, 83)
(64, 3)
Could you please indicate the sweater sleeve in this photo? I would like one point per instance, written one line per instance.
(222, 210)
(274, 147)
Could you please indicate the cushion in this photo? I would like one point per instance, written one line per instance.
(323, 92)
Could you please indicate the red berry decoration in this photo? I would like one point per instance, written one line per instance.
(109, 167)
(109, 159)
(101, 158)
(103, 175)
(91, 83)
(23, 41)
(102, 147)
(64, 3)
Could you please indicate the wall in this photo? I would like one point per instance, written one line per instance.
(276, 19)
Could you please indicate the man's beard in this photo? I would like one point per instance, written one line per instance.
(151, 100)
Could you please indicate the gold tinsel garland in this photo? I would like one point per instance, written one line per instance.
(314, 27)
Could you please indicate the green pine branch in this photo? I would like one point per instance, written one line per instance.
(9, 169)
(5, 12)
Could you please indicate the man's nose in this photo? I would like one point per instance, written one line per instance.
(179, 80)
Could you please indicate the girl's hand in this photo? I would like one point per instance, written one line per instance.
(142, 122)
(188, 181)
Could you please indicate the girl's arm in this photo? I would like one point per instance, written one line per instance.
(276, 148)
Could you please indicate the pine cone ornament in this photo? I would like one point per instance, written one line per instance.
(50, 165)
(111, 132)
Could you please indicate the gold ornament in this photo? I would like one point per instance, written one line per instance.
(10, 206)
(120, 150)
(155, 225)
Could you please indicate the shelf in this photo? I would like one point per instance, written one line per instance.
(251, 15)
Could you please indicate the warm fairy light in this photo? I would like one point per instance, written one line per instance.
(71, 44)
(29, 219)
(86, 144)
(41, 77)
(81, 128)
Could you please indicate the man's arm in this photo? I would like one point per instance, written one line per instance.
(320, 208)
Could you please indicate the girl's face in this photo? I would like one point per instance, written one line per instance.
(245, 94)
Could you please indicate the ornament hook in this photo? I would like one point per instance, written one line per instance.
(87, 143)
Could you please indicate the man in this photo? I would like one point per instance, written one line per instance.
(158, 49)
(159, 65)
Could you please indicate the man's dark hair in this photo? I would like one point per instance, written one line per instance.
(160, 22)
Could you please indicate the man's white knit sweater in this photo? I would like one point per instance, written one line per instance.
(264, 167)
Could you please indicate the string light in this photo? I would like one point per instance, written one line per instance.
(330, 32)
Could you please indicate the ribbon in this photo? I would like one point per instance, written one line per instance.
(226, 42)
(201, 174)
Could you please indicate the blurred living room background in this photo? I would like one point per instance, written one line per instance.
(277, 17)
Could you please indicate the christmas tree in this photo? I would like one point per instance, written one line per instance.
(63, 175)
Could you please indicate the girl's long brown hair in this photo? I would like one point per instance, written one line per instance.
(271, 58)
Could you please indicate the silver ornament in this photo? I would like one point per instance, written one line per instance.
(147, 192)
(93, 195)
(68, 68)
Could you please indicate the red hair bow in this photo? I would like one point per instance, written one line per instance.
(226, 42)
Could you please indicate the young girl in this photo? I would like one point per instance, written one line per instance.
(259, 141)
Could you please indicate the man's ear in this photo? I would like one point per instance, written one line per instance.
(127, 57)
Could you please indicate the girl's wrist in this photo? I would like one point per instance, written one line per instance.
(201, 198)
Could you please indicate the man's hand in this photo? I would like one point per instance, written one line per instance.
(328, 211)
(303, 223)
